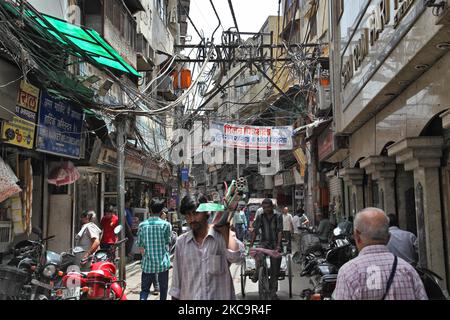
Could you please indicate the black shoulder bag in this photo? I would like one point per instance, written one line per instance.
(391, 278)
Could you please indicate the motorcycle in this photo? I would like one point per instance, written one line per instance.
(99, 283)
(34, 269)
(30, 257)
(323, 271)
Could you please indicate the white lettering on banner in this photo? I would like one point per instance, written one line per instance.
(252, 137)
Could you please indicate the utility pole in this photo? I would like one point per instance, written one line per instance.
(122, 123)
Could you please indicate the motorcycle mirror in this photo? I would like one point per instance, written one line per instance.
(78, 250)
(118, 229)
(337, 231)
(37, 231)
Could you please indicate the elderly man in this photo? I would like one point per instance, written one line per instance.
(376, 274)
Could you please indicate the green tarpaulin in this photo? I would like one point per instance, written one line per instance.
(84, 41)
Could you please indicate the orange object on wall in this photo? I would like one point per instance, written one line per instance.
(324, 82)
(182, 79)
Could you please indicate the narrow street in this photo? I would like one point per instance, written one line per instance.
(125, 123)
(251, 289)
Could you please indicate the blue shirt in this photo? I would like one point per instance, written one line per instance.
(129, 216)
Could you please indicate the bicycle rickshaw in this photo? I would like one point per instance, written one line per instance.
(248, 269)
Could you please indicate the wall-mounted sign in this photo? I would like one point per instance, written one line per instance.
(362, 50)
(325, 144)
(134, 165)
(20, 131)
(278, 180)
(184, 174)
(299, 178)
(59, 130)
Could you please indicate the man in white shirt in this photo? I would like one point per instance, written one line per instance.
(296, 223)
(288, 228)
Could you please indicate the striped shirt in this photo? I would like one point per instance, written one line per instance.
(268, 229)
(365, 277)
(154, 236)
(201, 271)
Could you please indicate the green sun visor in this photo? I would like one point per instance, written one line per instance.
(207, 207)
(83, 41)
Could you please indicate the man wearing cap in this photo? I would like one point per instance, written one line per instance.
(203, 255)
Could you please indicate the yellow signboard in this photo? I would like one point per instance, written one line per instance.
(28, 96)
(300, 156)
(19, 132)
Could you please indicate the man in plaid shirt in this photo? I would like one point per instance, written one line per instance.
(153, 241)
(366, 276)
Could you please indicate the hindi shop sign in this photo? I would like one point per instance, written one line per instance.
(251, 137)
(21, 129)
(59, 130)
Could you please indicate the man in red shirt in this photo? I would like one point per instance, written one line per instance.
(108, 223)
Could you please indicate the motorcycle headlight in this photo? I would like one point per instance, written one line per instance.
(49, 271)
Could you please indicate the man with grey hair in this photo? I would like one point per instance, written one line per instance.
(376, 274)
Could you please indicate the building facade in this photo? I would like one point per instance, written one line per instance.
(390, 66)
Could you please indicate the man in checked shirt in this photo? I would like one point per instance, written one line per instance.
(366, 276)
(153, 241)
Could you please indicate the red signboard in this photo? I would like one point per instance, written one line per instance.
(325, 144)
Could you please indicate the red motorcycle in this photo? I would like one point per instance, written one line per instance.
(100, 283)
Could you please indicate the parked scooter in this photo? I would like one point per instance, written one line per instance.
(100, 283)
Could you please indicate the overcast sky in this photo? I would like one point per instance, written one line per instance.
(250, 16)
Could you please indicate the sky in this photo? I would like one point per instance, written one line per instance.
(250, 16)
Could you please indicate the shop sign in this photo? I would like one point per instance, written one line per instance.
(288, 178)
(388, 20)
(325, 144)
(298, 177)
(133, 166)
(59, 130)
(301, 159)
(28, 97)
(300, 156)
(20, 131)
(278, 180)
(184, 174)
(150, 172)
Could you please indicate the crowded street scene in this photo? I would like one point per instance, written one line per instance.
(252, 151)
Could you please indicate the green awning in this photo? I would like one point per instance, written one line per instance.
(84, 41)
